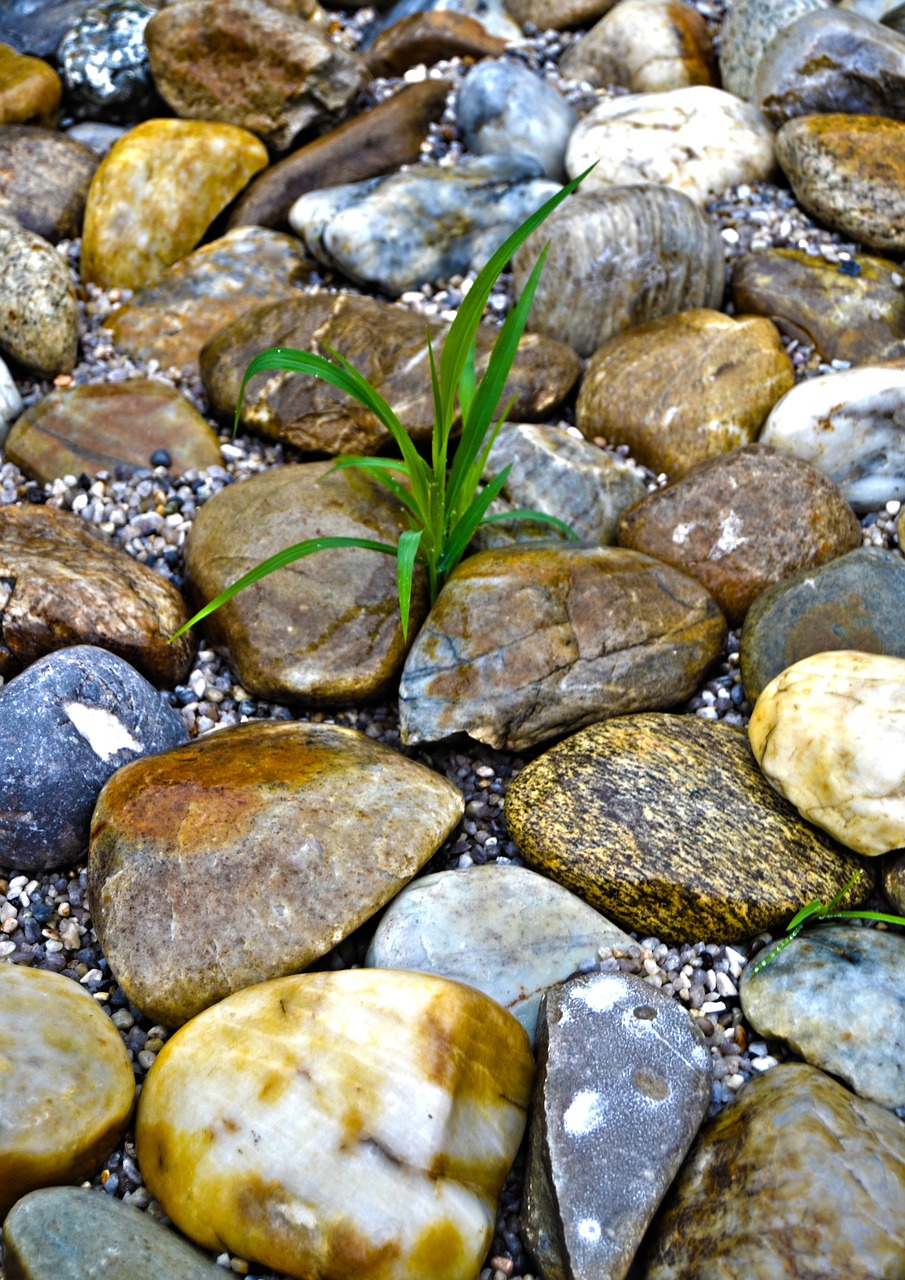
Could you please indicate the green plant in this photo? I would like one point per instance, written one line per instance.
(444, 504)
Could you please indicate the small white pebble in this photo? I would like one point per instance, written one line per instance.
(764, 1064)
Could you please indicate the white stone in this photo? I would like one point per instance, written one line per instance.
(10, 400)
(101, 729)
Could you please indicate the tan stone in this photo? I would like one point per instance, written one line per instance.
(649, 46)
(39, 314)
(428, 37)
(829, 734)
(30, 89)
(557, 15)
(155, 194)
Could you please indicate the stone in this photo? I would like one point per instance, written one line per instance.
(875, 9)
(893, 873)
(493, 15)
(247, 64)
(558, 15)
(849, 171)
(65, 583)
(30, 89)
(170, 321)
(742, 522)
(99, 137)
(46, 176)
(503, 929)
(357, 1123)
(851, 426)
(828, 734)
(733, 372)
(852, 311)
(749, 28)
(97, 427)
(427, 38)
(39, 315)
(374, 142)
(698, 140)
(66, 1083)
(528, 642)
(833, 995)
(633, 815)
(104, 62)
(388, 346)
(38, 26)
(832, 60)
(10, 401)
(622, 1086)
(505, 109)
(855, 602)
(649, 46)
(73, 1233)
(325, 629)
(811, 1181)
(423, 224)
(618, 258)
(157, 191)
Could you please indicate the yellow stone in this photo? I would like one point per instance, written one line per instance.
(829, 735)
(30, 89)
(156, 193)
(332, 1125)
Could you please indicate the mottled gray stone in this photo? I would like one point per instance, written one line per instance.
(493, 15)
(39, 316)
(45, 180)
(505, 109)
(104, 61)
(623, 1083)
(747, 31)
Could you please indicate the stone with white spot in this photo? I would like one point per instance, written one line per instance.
(622, 1086)
(67, 723)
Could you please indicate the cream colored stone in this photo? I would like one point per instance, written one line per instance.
(333, 1125)
(829, 735)
(650, 46)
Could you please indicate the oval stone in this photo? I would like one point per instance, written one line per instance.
(650, 46)
(66, 1083)
(326, 824)
(39, 314)
(30, 89)
(829, 734)
(336, 1124)
(747, 30)
(428, 36)
(505, 109)
(666, 825)
(528, 642)
(46, 176)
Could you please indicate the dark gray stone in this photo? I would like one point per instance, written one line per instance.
(104, 61)
(505, 109)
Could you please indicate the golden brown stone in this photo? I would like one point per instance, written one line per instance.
(428, 37)
(30, 89)
(647, 45)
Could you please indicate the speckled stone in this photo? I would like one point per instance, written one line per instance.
(66, 1083)
(30, 89)
(811, 1182)
(749, 28)
(505, 109)
(894, 881)
(622, 1085)
(104, 62)
(733, 372)
(632, 815)
(39, 316)
(649, 46)
(338, 1124)
(428, 38)
(46, 176)
(157, 191)
(742, 522)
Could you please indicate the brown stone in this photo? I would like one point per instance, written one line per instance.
(44, 180)
(65, 583)
(733, 372)
(324, 823)
(98, 426)
(894, 880)
(370, 144)
(30, 89)
(742, 522)
(558, 15)
(647, 45)
(428, 37)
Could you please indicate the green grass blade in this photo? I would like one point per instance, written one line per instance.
(526, 513)
(405, 570)
(866, 915)
(380, 469)
(464, 530)
(467, 384)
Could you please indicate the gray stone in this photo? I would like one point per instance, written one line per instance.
(96, 135)
(623, 1083)
(493, 15)
(504, 109)
(37, 26)
(422, 225)
(503, 929)
(748, 29)
(45, 180)
(10, 400)
(39, 316)
(104, 61)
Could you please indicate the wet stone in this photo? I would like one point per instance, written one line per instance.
(30, 89)
(749, 28)
(38, 26)
(104, 61)
(493, 15)
(504, 109)
(649, 46)
(46, 176)
(10, 400)
(558, 14)
(38, 309)
(428, 38)
(894, 881)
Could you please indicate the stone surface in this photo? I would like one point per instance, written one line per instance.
(104, 61)
(67, 723)
(618, 258)
(742, 522)
(493, 15)
(855, 602)
(356, 1123)
(66, 1083)
(248, 64)
(834, 995)
(428, 37)
(698, 140)
(170, 321)
(503, 929)
(623, 1083)
(849, 171)
(634, 816)
(649, 46)
(505, 109)
(325, 629)
(388, 346)
(749, 28)
(733, 372)
(851, 426)
(852, 311)
(73, 1233)
(557, 15)
(894, 881)
(39, 318)
(30, 89)
(45, 180)
(96, 135)
(528, 642)
(374, 142)
(97, 427)
(10, 400)
(811, 1182)
(423, 224)
(38, 26)
(328, 825)
(157, 191)
(829, 734)
(65, 583)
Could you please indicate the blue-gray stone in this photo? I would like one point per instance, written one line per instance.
(67, 723)
(104, 61)
(492, 15)
(505, 109)
(748, 29)
(36, 27)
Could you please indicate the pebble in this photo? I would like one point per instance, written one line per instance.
(504, 109)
